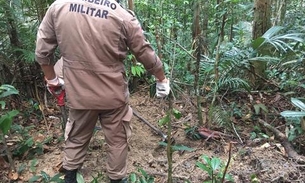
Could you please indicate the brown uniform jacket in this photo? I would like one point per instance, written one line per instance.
(93, 37)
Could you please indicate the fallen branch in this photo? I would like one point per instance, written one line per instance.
(241, 141)
(8, 154)
(165, 174)
(284, 141)
(207, 133)
(12, 174)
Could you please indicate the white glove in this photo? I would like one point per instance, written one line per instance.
(55, 86)
(55, 82)
(162, 88)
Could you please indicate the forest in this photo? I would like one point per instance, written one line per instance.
(235, 113)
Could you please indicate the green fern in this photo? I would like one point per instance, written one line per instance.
(219, 116)
(233, 83)
(232, 70)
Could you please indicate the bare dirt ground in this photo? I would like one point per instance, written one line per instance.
(250, 161)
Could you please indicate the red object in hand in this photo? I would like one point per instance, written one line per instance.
(59, 93)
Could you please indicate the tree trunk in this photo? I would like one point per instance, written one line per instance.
(196, 21)
(232, 22)
(16, 44)
(283, 11)
(40, 10)
(6, 75)
(262, 18)
(130, 5)
(196, 82)
(261, 23)
(222, 28)
(205, 28)
(196, 31)
(279, 12)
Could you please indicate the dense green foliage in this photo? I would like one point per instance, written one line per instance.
(170, 32)
(6, 118)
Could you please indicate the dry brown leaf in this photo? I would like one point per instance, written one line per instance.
(250, 98)
(226, 148)
(277, 98)
(39, 138)
(45, 147)
(58, 167)
(281, 149)
(13, 175)
(207, 88)
(265, 146)
(21, 178)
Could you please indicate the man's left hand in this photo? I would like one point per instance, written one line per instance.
(162, 88)
(55, 86)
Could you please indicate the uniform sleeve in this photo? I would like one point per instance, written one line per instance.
(58, 68)
(141, 49)
(46, 42)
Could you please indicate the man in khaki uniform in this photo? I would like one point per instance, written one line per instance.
(94, 37)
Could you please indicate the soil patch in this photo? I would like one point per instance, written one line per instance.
(263, 160)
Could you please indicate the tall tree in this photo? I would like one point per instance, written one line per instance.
(279, 11)
(197, 37)
(261, 23)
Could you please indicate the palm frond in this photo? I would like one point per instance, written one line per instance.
(281, 42)
(265, 59)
